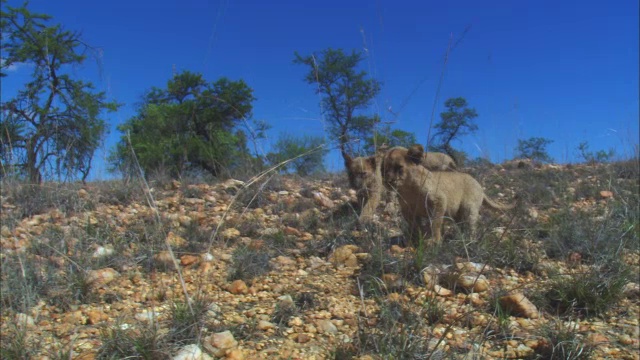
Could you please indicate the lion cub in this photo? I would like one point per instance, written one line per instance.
(433, 194)
(365, 176)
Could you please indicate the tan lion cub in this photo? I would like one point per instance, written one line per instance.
(366, 178)
(433, 194)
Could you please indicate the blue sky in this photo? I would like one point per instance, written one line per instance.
(563, 70)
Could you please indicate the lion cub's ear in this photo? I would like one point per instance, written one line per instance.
(415, 153)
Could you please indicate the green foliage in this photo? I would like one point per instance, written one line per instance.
(144, 342)
(304, 155)
(590, 157)
(560, 341)
(16, 345)
(389, 137)
(55, 122)
(534, 148)
(454, 123)
(189, 125)
(188, 320)
(590, 293)
(344, 92)
(248, 263)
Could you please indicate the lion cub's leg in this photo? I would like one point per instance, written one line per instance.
(474, 216)
(369, 204)
(413, 222)
(439, 205)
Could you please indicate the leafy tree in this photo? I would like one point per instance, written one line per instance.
(535, 148)
(345, 91)
(454, 123)
(190, 125)
(54, 122)
(389, 137)
(590, 157)
(306, 154)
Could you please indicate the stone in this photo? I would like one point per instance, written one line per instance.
(439, 290)
(265, 325)
(94, 317)
(186, 260)
(518, 305)
(83, 194)
(392, 281)
(322, 200)
(164, 259)
(238, 287)
(303, 338)
(101, 276)
(288, 230)
(477, 283)
(606, 194)
(102, 251)
(327, 327)
(175, 240)
(344, 256)
(24, 321)
(230, 233)
(191, 352)
(218, 343)
(235, 354)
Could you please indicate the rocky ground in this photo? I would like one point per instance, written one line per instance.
(280, 270)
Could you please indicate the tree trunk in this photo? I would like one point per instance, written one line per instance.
(34, 173)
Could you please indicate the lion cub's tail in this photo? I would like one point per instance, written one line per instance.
(497, 206)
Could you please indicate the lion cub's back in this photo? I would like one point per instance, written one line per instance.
(458, 187)
(436, 161)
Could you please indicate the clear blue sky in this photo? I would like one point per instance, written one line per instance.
(563, 70)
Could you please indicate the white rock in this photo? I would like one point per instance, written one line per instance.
(191, 352)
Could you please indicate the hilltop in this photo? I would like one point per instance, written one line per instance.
(277, 267)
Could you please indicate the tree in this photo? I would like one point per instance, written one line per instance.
(590, 157)
(535, 149)
(454, 123)
(306, 154)
(190, 125)
(345, 91)
(54, 122)
(389, 137)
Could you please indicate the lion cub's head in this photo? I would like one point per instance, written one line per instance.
(398, 162)
(360, 171)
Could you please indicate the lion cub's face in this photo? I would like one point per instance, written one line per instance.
(360, 171)
(398, 162)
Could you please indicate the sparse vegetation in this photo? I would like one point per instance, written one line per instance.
(249, 263)
(534, 149)
(575, 260)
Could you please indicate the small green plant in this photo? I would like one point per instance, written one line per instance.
(433, 310)
(16, 345)
(589, 293)
(283, 312)
(560, 341)
(248, 263)
(124, 341)
(187, 320)
(578, 231)
(401, 335)
(590, 157)
(192, 191)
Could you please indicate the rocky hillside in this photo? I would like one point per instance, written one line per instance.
(277, 268)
